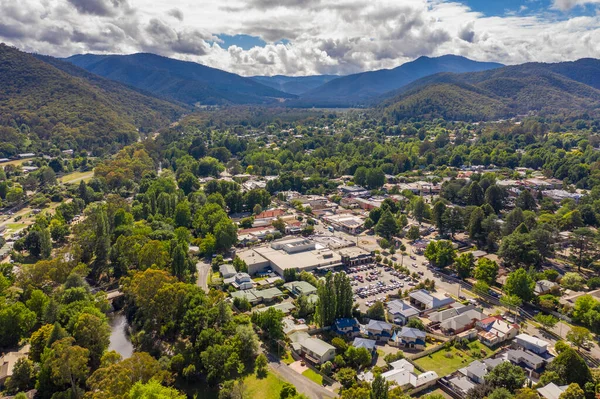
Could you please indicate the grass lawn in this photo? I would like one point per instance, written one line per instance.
(314, 376)
(446, 362)
(437, 391)
(15, 226)
(287, 358)
(77, 176)
(267, 388)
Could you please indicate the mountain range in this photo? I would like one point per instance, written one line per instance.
(561, 88)
(59, 102)
(187, 82)
(357, 89)
(297, 85)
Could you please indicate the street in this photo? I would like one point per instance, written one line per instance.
(203, 269)
(303, 384)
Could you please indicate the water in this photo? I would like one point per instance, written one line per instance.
(119, 340)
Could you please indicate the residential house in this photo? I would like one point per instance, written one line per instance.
(227, 271)
(533, 344)
(297, 288)
(544, 286)
(411, 338)
(400, 312)
(474, 374)
(402, 374)
(423, 300)
(7, 363)
(461, 322)
(493, 331)
(528, 360)
(241, 281)
(379, 330)
(368, 344)
(552, 391)
(347, 326)
(316, 350)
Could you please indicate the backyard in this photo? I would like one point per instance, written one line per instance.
(446, 361)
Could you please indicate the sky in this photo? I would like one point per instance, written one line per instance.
(307, 37)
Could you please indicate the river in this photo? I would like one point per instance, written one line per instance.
(119, 339)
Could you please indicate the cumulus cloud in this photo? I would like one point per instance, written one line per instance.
(302, 37)
(98, 7)
(176, 13)
(565, 5)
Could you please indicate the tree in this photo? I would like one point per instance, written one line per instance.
(183, 214)
(376, 311)
(59, 230)
(521, 284)
(475, 195)
(481, 288)
(570, 367)
(379, 388)
(572, 281)
(360, 176)
(486, 270)
(22, 377)
(225, 234)
(579, 336)
(288, 391)
(464, 265)
(512, 221)
(475, 227)
(526, 393)
(413, 233)
(16, 321)
(261, 366)
(494, 196)
(416, 323)
(38, 241)
(584, 242)
(418, 209)
(500, 393)
(375, 178)
(506, 375)
(547, 321)
(279, 225)
(68, 364)
(453, 219)
(271, 322)
(526, 201)
(93, 333)
(327, 304)
(573, 391)
(344, 295)
(154, 390)
(346, 376)
(440, 253)
(387, 226)
(358, 357)
(437, 214)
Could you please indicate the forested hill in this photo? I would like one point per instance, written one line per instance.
(563, 88)
(294, 84)
(41, 105)
(358, 88)
(183, 81)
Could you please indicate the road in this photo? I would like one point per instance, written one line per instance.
(203, 269)
(303, 384)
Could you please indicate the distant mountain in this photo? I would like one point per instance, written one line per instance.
(294, 84)
(186, 82)
(569, 87)
(44, 100)
(356, 89)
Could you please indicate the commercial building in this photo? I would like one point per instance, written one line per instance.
(424, 300)
(351, 224)
(302, 254)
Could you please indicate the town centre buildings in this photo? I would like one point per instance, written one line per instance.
(301, 254)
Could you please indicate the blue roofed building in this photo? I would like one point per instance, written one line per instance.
(379, 330)
(347, 326)
(410, 338)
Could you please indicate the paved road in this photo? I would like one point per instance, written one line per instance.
(203, 269)
(303, 384)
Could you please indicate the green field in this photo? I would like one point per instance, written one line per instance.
(446, 362)
(267, 388)
(75, 177)
(314, 376)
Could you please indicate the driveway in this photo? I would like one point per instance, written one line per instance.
(304, 385)
(203, 269)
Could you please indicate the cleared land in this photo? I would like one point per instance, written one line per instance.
(445, 362)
